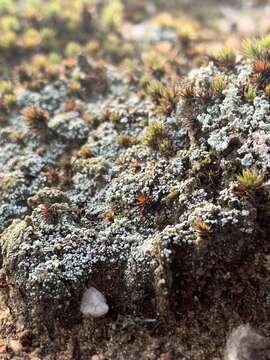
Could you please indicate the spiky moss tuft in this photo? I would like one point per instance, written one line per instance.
(157, 137)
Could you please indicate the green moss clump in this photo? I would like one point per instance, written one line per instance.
(73, 49)
(226, 57)
(157, 137)
(250, 180)
(112, 14)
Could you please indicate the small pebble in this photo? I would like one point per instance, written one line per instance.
(15, 346)
(93, 303)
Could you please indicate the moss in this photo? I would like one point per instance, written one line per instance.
(8, 40)
(157, 137)
(17, 137)
(35, 118)
(84, 152)
(154, 62)
(250, 180)
(143, 201)
(75, 87)
(249, 93)
(154, 89)
(201, 228)
(267, 90)
(169, 99)
(48, 36)
(9, 23)
(256, 49)
(145, 81)
(112, 14)
(31, 38)
(226, 57)
(73, 49)
(126, 140)
(218, 85)
(252, 49)
(166, 97)
(6, 88)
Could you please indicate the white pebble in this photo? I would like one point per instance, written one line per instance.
(93, 303)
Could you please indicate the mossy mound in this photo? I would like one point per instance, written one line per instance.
(150, 187)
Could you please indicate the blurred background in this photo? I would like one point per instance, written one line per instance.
(116, 30)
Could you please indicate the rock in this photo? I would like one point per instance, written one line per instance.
(93, 303)
(97, 357)
(15, 346)
(166, 356)
(244, 343)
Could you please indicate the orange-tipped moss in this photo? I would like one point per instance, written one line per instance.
(84, 152)
(201, 228)
(52, 175)
(261, 73)
(109, 216)
(267, 90)
(261, 67)
(35, 118)
(192, 94)
(168, 99)
(165, 97)
(143, 200)
(48, 212)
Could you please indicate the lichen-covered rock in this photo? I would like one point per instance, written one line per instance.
(130, 209)
(123, 178)
(232, 119)
(50, 260)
